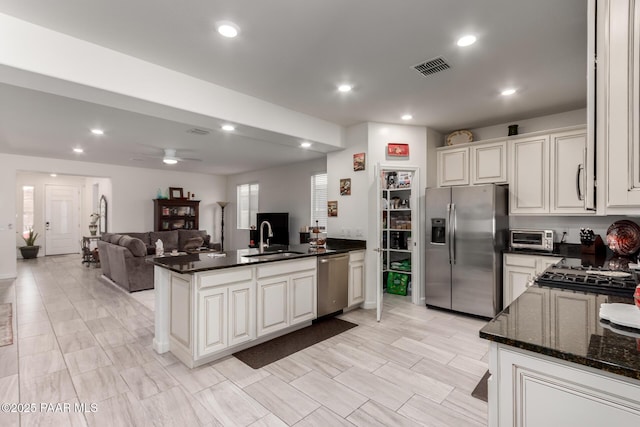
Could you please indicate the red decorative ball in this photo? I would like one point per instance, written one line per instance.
(623, 237)
(636, 296)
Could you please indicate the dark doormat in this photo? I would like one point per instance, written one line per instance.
(481, 391)
(281, 347)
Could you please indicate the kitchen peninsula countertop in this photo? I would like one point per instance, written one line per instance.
(559, 332)
(196, 262)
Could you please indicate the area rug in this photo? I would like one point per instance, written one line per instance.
(6, 328)
(281, 347)
(481, 391)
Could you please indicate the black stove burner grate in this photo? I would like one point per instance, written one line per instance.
(582, 281)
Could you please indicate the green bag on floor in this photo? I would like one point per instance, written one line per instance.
(397, 283)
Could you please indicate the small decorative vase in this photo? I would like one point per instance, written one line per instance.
(93, 229)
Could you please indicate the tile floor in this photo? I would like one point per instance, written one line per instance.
(80, 340)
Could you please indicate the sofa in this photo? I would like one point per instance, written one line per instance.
(123, 255)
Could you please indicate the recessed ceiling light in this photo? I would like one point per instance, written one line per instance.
(466, 40)
(78, 150)
(228, 29)
(169, 161)
(53, 175)
(508, 92)
(97, 131)
(407, 117)
(228, 128)
(305, 144)
(345, 87)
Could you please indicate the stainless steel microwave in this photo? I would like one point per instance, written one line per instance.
(539, 240)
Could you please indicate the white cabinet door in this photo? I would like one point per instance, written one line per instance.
(618, 95)
(273, 304)
(453, 167)
(302, 291)
(520, 271)
(356, 278)
(535, 391)
(489, 163)
(568, 178)
(242, 313)
(212, 321)
(516, 281)
(529, 182)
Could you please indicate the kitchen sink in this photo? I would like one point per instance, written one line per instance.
(269, 256)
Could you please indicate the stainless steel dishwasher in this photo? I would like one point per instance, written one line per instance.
(333, 283)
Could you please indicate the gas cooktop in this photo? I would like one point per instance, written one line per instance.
(590, 279)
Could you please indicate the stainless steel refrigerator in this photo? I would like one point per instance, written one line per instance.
(467, 229)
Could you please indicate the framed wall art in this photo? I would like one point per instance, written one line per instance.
(345, 187)
(358, 162)
(397, 150)
(332, 208)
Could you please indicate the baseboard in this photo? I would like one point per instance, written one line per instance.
(8, 276)
(368, 305)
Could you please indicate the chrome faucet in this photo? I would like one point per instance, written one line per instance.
(262, 244)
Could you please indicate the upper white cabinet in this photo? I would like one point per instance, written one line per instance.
(453, 166)
(489, 163)
(529, 183)
(474, 163)
(568, 176)
(548, 174)
(618, 95)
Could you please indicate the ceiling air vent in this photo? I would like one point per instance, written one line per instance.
(432, 66)
(197, 131)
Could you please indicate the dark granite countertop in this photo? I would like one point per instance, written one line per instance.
(197, 262)
(565, 324)
(572, 253)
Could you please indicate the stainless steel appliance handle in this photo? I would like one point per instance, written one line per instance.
(448, 237)
(453, 233)
(578, 189)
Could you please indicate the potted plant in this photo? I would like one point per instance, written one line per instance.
(30, 250)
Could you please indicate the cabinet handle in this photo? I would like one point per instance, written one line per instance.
(578, 189)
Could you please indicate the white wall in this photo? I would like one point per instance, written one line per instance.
(282, 189)
(131, 207)
(553, 121)
(351, 222)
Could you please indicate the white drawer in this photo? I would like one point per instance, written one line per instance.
(277, 268)
(356, 256)
(520, 260)
(225, 277)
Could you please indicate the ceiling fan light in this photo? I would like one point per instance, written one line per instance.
(169, 161)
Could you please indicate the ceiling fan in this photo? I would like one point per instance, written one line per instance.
(170, 157)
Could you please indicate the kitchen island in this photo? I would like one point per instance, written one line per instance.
(554, 362)
(210, 305)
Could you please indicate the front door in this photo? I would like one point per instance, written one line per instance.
(61, 220)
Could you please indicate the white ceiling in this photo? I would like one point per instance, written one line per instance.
(293, 53)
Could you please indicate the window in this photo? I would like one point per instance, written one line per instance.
(27, 209)
(319, 200)
(247, 205)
